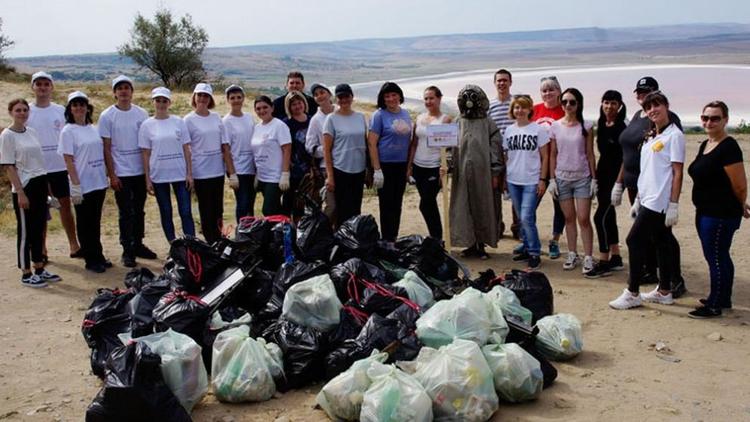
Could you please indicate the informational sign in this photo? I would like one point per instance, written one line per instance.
(442, 136)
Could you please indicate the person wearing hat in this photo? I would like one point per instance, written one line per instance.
(239, 127)
(118, 127)
(83, 151)
(167, 162)
(212, 158)
(295, 81)
(314, 141)
(345, 151)
(48, 118)
(631, 140)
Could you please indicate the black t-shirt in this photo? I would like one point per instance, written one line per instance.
(280, 113)
(610, 152)
(712, 191)
(300, 158)
(631, 140)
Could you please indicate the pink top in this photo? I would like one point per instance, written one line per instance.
(572, 163)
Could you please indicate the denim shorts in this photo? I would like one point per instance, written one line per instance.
(569, 189)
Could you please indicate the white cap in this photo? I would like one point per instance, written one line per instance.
(121, 78)
(160, 91)
(40, 75)
(234, 87)
(77, 94)
(203, 88)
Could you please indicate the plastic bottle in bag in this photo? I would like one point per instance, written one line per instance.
(560, 336)
(394, 396)
(517, 375)
(341, 397)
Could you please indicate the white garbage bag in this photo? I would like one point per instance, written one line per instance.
(341, 397)
(394, 396)
(509, 303)
(466, 316)
(417, 290)
(560, 336)
(517, 375)
(313, 303)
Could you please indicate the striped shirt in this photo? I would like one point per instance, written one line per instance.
(499, 113)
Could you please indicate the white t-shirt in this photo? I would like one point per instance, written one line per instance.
(48, 122)
(122, 128)
(266, 144)
(165, 138)
(207, 134)
(240, 132)
(314, 138)
(87, 149)
(522, 145)
(657, 156)
(23, 150)
(424, 156)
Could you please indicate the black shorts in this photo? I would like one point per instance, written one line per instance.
(58, 184)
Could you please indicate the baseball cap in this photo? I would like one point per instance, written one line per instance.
(318, 86)
(160, 91)
(77, 94)
(203, 88)
(234, 88)
(646, 83)
(40, 75)
(120, 79)
(343, 89)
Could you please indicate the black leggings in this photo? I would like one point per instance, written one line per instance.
(649, 230)
(650, 265)
(210, 194)
(605, 217)
(89, 226)
(390, 199)
(348, 193)
(428, 185)
(31, 223)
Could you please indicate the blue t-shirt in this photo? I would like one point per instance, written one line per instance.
(395, 134)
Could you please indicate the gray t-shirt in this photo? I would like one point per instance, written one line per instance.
(349, 141)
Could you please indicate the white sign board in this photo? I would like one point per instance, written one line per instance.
(442, 136)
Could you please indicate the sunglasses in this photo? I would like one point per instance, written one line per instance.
(548, 78)
(712, 119)
(527, 96)
(569, 102)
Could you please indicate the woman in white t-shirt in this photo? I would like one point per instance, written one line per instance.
(424, 161)
(21, 156)
(240, 127)
(83, 150)
(573, 176)
(526, 148)
(212, 158)
(272, 152)
(167, 161)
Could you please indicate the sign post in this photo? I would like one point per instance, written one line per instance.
(444, 136)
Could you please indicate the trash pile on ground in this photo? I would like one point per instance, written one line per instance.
(399, 331)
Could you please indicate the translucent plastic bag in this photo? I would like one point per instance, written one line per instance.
(394, 396)
(517, 375)
(313, 303)
(341, 397)
(417, 290)
(560, 336)
(466, 316)
(243, 369)
(509, 303)
(458, 380)
(181, 365)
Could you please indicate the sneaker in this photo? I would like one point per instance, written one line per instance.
(704, 301)
(601, 269)
(96, 268)
(626, 301)
(128, 260)
(679, 289)
(588, 264)
(571, 261)
(47, 276)
(519, 249)
(655, 297)
(554, 249)
(705, 312)
(142, 251)
(615, 263)
(534, 262)
(523, 256)
(33, 281)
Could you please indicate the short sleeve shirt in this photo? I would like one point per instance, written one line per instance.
(572, 162)
(545, 116)
(23, 150)
(87, 149)
(165, 138)
(207, 135)
(268, 138)
(48, 123)
(240, 133)
(349, 141)
(314, 137)
(499, 113)
(394, 130)
(657, 156)
(424, 156)
(121, 127)
(712, 190)
(522, 145)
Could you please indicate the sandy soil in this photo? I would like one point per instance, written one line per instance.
(45, 375)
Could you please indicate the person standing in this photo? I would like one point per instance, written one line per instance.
(83, 150)
(314, 143)
(720, 199)
(500, 114)
(295, 81)
(21, 156)
(212, 158)
(48, 119)
(298, 121)
(240, 127)
(272, 151)
(165, 147)
(345, 152)
(118, 127)
(656, 208)
(388, 144)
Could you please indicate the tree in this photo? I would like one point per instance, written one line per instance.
(171, 49)
(5, 44)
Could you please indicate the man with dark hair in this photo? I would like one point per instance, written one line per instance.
(295, 81)
(498, 112)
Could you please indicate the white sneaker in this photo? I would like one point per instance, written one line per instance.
(626, 301)
(588, 264)
(655, 297)
(571, 261)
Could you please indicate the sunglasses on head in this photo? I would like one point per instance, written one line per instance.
(712, 119)
(569, 102)
(527, 96)
(548, 78)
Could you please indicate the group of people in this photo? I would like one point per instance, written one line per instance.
(300, 146)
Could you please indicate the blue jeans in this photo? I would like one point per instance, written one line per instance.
(716, 239)
(524, 200)
(161, 191)
(245, 196)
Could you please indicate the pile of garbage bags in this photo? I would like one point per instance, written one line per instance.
(399, 330)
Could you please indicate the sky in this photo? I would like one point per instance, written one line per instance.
(50, 27)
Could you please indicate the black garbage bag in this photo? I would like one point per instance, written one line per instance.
(525, 336)
(294, 272)
(254, 291)
(265, 238)
(407, 313)
(486, 281)
(104, 320)
(315, 236)
(134, 390)
(342, 273)
(254, 232)
(304, 351)
(183, 313)
(352, 319)
(358, 236)
(194, 264)
(141, 306)
(138, 277)
(382, 299)
(534, 291)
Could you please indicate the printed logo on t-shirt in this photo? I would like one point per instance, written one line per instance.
(401, 126)
(58, 124)
(657, 146)
(522, 142)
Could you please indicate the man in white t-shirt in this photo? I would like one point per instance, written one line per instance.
(314, 140)
(499, 108)
(118, 127)
(48, 119)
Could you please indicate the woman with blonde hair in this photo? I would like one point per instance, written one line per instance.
(295, 105)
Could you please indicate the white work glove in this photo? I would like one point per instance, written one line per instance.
(594, 187)
(552, 188)
(506, 195)
(672, 214)
(53, 202)
(234, 181)
(634, 209)
(284, 181)
(616, 196)
(378, 179)
(76, 197)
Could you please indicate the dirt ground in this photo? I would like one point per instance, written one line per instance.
(45, 373)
